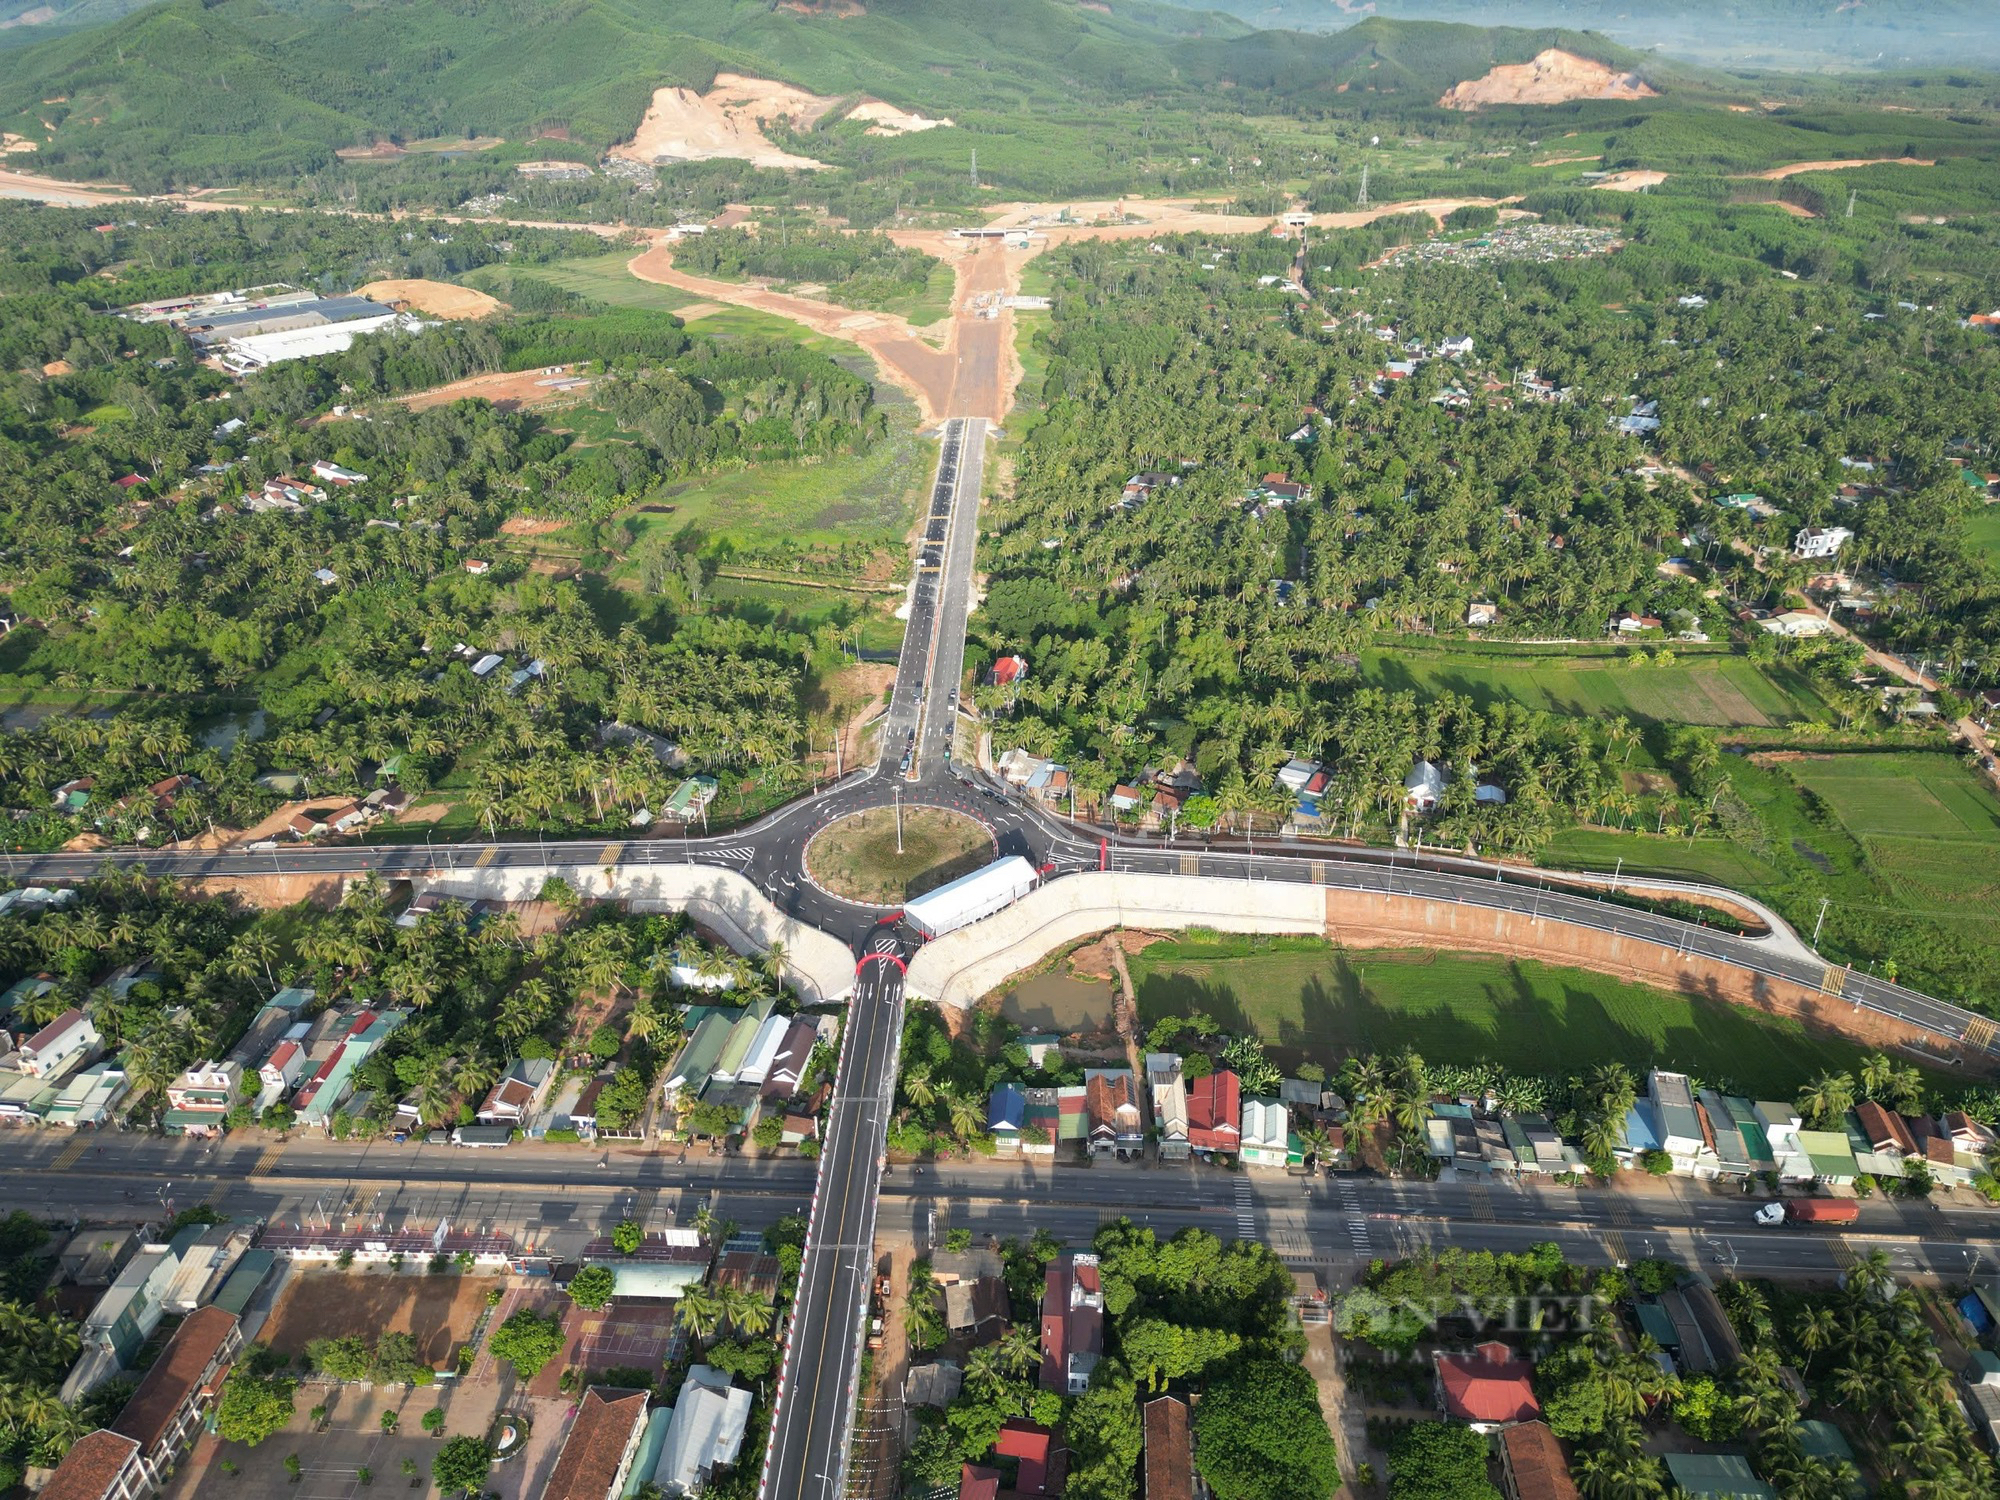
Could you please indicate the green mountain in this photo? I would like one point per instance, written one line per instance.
(242, 88)
(190, 92)
(1790, 35)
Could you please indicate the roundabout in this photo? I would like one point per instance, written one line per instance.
(883, 856)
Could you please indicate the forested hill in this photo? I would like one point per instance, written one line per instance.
(189, 92)
(1784, 34)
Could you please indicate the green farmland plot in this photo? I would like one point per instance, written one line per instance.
(1316, 1001)
(1708, 688)
(1929, 826)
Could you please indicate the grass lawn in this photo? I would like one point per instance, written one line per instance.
(807, 608)
(1982, 531)
(858, 857)
(602, 278)
(1708, 688)
(1714, 860)
(869, 498)
(1313, 1000)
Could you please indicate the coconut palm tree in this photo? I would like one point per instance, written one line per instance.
(1020, 1351)
(1827, 1098)
(699, 1311)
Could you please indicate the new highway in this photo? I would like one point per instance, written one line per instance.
(1315, 1223)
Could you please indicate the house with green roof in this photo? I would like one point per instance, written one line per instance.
(1825, 1441)
(1831, 1156)
(1716, 1476)
(704, 1046)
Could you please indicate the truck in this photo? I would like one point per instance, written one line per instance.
(878, 1310)
(970, 897)
(1809, 1211)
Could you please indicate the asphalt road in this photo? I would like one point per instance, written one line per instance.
(820, 1376)
(552, 1199)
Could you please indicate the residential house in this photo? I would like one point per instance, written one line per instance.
(1006, 671)
(1267, 1134)
(1117, 1124)
(1532, 1466)
(327, 1089)
(1214, 1109)
(334, 474)
(1072, 1323)
(1295, 775)
(975, 1483)
(1126, 798)
(1716, 1476)
(89, 1097)
(477, 566)
(59, 1048)
(201, 1097)
(518, 1092)
(1488, 1388)
(1670, 1099)
(1831, 1155)
(598, 1451)
(117, 1328)
(1039, 1453)
(1820, 541)
(1627, 623)
(281, 1070)
(1423, 788)
(1006, 1114)
(788, 1063)
(1139, 486)
(135, 1454)
(1170, 1106)
(1885, 1131)
(1169, 1462)
(763, 1050)
(1795, 624)
(275, 1019)
(743, 1034)
(706, 1433)
(1478, 613)
(935, 1385)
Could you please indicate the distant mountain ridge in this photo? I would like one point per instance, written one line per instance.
(1782, 34)
(193, 91)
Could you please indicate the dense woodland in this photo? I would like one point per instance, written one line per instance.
(169, 589)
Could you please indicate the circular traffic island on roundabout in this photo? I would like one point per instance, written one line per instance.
(857, 857)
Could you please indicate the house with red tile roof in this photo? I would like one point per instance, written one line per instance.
(1169, 1467)
(1072, 1323)
(1214, 1107)
(134, 1456)
(1488, 1388)
(596, 1457)
(1117, 1124)
(975, 1483)
(1039, 1452)
(1532, 1466)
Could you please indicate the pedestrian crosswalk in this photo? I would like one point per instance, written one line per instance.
(1359, 1239)
(67, 1159)
(1842, 1252)
(267, 1163)
(1614, 1246)
(1479, 1202)
(1246, 1213)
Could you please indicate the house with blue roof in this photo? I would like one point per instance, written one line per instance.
(1006, 1113)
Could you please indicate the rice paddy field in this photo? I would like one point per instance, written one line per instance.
(1929, 826)
(1314, 1001)
(1710, 688)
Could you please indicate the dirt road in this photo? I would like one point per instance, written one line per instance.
(1779, 174)
(954, 368)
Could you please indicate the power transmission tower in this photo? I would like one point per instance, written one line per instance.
(975, 166)
(1852, 194)
(1362, 201)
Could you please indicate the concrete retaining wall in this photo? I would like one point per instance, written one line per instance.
(961, 966)
(818, 965)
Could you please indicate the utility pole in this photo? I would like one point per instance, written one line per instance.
(899, 817)
(1824, 903)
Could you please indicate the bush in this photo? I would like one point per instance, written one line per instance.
(462, 1465)
(769, 1133)
(527, 1341)
(592, 1287)
(562, 1135)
